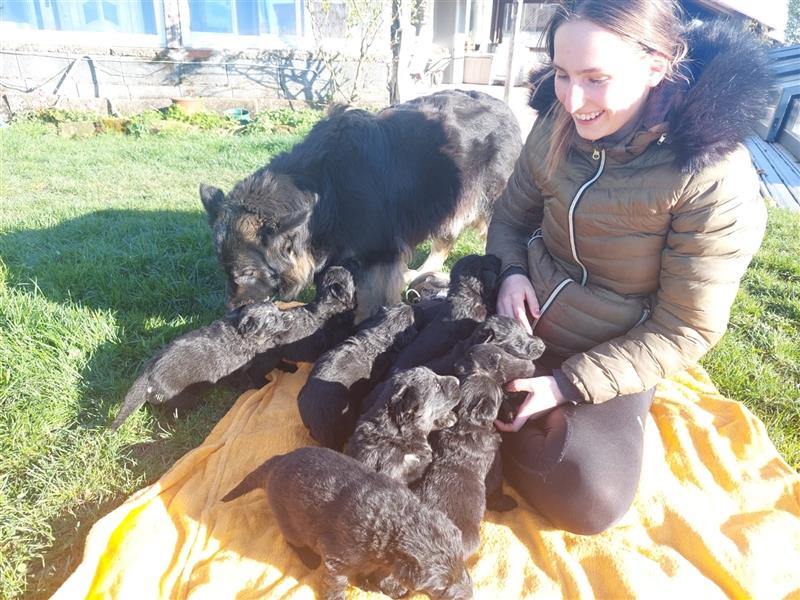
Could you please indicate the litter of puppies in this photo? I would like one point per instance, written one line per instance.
(410, 395)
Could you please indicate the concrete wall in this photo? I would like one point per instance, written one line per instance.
(44, 68)
(140, 79)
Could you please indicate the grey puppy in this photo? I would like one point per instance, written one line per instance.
(392, 438)
(212, 352)
(359, 522)
(464, 453)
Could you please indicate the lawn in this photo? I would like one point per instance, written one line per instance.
(105, 255)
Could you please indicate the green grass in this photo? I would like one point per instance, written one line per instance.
(105, 255)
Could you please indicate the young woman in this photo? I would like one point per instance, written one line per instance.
(624, 231)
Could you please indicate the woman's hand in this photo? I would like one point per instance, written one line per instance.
(516, 292)
(543, 394)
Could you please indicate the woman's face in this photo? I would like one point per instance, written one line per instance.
(601, 79)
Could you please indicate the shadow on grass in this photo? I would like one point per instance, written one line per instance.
(151, 276)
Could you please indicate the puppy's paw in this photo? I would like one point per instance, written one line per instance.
(392, 587)
(256, 317)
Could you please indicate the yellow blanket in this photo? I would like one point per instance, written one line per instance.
(717, 515)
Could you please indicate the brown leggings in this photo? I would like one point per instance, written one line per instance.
(579, 465)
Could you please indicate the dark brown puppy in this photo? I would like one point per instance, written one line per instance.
(464, 453)
(392, 438)
(360, 522)
(330, 401)
(212, 352)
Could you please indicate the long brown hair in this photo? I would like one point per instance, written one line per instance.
(653, 25)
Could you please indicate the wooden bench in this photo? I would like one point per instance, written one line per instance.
(779, 172)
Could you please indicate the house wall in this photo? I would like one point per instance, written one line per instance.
(88, 70)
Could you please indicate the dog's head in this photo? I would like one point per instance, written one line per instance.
(510, 335)
(336, 289)
(419, 400)
(481, 398)
(473, 280)
(494, 362)
(261, 237)
(433, 562)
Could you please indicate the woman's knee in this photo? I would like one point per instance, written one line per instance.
(584, 507)
(596, 509)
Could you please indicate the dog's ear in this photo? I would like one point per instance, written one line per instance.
(493, 360)
(293, 221)
(403, 405)
(212, 199)
(488, 405)
(336, 282)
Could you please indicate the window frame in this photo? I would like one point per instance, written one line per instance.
(236, 41)
(13, 34)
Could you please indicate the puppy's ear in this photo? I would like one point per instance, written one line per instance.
(212, 199)
(489, 406)
(403, 404)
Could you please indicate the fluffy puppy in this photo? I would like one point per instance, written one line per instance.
(330, 401)
(212, 352)
(471, 297)
(463, 454)
(392, 437)
(359, 522)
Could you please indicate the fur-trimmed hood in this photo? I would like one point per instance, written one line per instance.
(729, 81)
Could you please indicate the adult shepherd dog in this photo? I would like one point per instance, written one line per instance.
(365, 186)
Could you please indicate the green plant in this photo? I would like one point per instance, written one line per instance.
(284, 120)
(142, 123)
(58, 115)
(201, 120)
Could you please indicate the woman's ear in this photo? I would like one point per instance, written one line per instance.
(658, 66)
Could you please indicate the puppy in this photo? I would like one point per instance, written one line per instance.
(464, 453)
(359, 522)
(471, 297)
(392, 437)
(212, 352)
(330, 400)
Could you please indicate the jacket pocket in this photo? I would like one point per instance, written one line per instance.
(574, 318)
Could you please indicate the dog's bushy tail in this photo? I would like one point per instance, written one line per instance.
(135, 397)
(255, 479)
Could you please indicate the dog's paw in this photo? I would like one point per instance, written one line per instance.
(392, 587)
(256, 317)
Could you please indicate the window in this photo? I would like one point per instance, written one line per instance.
(114, 16)
(279, 18)
(535, 17)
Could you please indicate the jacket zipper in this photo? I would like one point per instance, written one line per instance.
(595, 155)
(550, 299)
(535, 236)
(643, 318)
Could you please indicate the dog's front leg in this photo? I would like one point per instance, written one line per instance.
(440, 248)
(378, 285)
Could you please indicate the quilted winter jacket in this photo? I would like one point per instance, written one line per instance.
(636, 251)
